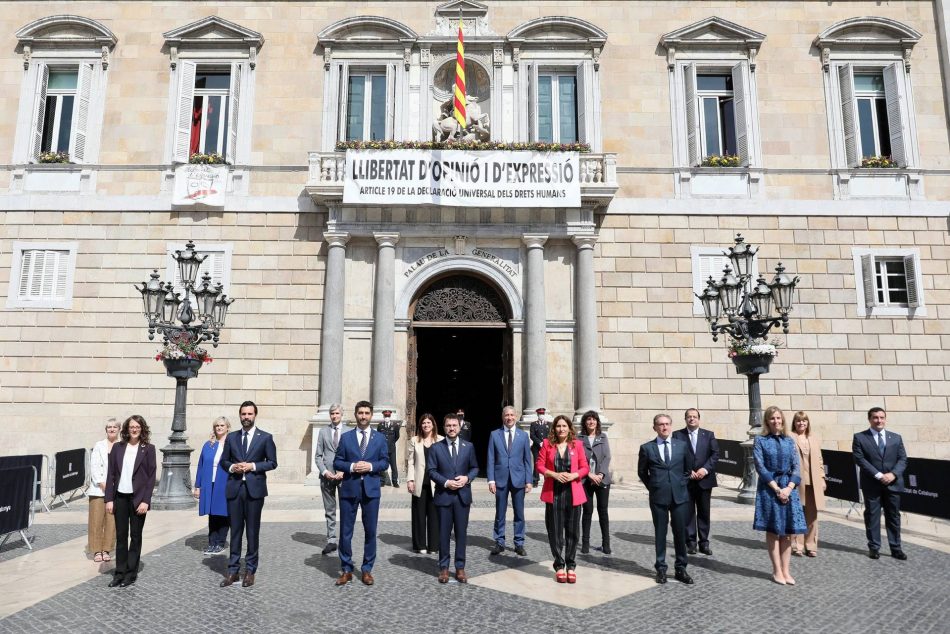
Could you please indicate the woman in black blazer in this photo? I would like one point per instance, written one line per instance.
(129, 483)
(597, 483)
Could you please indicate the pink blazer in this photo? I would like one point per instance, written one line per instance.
(579, 466)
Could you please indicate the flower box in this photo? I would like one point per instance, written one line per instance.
(752, 363)
(461, 145)
(182, 368)
(725, 160)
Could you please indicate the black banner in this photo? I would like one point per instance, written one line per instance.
(35, 460)
(15, 485)
(70, 471)
(926, 487)
(731, 461)
(841, 475)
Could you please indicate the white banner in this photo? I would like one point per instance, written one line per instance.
(200, 185)
(461, 178)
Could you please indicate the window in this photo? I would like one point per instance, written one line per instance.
(889, 282)
(41, 275)
(875, 136)
(717, 114)
(209, 115)
(873, 112)
(217, 264)
(58, 119)
(557, 108)
(366, 107)
(710, 261)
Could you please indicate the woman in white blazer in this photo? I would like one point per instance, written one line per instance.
(425, 519)
(101, 525)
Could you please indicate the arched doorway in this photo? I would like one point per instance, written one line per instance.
(460, 354)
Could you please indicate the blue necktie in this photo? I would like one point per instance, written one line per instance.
(666, 449)
(363, 444)
(880, 443)
(244, 442)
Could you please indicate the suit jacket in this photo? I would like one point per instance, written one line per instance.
(143, 473)
(261, 451)
(442, 469)
(545, 462)
(325, 452)
(539, 433)
(665, 482)
(356, 485)
(212, 501)
(813, 463)
(870, 461)
(416, 468)
(705, 457)
(599, 453)
(515, 466)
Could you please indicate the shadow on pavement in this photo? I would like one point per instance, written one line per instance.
(636, 538)
(731, 569)
(400, 541)
(426, 564)
(327, 564)
(311, 539)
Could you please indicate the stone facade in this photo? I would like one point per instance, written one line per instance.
(64, 371)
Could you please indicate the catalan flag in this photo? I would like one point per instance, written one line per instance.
(460, 79)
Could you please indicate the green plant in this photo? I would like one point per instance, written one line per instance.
(724, 160)
(461, 145)
(206, 159)
(742, 347)
(53, 157)
(183, 345)
(878, 161)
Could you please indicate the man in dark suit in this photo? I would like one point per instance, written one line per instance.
(881, 459)
(452, 466)
(362, 456)
(539, 430)
(465, 426)
(662, 468)
(247, 456)
(509, 473)
(389, 428)
(701, 459)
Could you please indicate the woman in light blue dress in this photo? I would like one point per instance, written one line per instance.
(778, 509)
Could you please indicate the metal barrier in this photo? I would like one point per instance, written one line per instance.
(13, 507)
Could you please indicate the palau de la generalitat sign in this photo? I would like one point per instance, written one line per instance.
(461, 178)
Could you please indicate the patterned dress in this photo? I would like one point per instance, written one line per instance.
(776, 458)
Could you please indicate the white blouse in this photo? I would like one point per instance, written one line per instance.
(128, 466)
(98, 468)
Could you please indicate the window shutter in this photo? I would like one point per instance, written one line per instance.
(692, 115)
(910, 273)
(740, 99)
(583, 79)
(867, 275)
(42, 82)
(186, 99)
(234, 110)
(532, 102)
(80, 128)
(710, 264)
(27, 260)
(43, 274)
(849, 115)
(894, 96)
(390, 100)
(216, 264)
(343, 72)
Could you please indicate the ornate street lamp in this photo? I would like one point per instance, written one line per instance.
(747, 308)
(174, 318)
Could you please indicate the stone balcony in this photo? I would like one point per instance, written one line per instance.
(598, 176)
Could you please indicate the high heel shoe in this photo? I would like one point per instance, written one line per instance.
(777, 580)
(571, 577)
(789, 581)
(560, 576)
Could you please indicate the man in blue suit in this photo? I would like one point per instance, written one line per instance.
(701, 464)
(509, 473)
(881, 459)
(362, 456)
(247, 456)
(452, 466)
(662, 468)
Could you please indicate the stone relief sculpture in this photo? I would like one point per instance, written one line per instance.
(477, 124)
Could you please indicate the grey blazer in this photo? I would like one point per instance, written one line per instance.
(598, 456)
(325, 452)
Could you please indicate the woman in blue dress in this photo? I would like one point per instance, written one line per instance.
(778, 509)
(210, 481)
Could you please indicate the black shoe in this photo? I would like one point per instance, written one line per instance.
(899, 554)
(705, 550)
(606, 549)
(874, 554)
(329, 548)
(497, 549)
(520, 551)
(683, 577)
(396, 484)
(128, 581)
(661, 576)
(585, 548)
(690, 550)
(116, 581)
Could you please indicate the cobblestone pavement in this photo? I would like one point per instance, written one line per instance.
(44, 536)
(840, 591)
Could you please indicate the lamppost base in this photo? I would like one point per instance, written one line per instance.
(174, 489)
(750, 479)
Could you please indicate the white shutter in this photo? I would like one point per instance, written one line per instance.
(234, 111)
(80, 129)
(185, 105)
(849, 115)
(344, 72)
(42, 82)
(710, 264)
(867, 275)
(27, 260)
(43, 274)
(692, 115)
(910, 274)
(583, 79)
(390, 100)
(740, 99)
(532, 102)
(217, 264)
(894, 96)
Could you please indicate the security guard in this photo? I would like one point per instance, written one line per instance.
(539, 431)
(390, 430)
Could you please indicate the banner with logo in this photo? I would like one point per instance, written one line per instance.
(926, 487)
(730, 458)
(35, 460)
(70, 471)
(15, 498)
(462, 178)
(200, 184)
(841, 475)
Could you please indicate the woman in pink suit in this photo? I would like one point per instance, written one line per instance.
(563, 463)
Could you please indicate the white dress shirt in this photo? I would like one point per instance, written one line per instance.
(659, 443)
(250, 437)
(217, 460)
(128, 466)
(359, 439)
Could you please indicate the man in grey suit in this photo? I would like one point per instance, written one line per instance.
(327, 440)
(881, 459)
(662, 468)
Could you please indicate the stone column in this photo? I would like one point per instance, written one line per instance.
(384, 309)
(535, 363)
(585, 327)
(331, 340)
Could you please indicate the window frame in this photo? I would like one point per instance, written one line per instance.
(15, 300)
(864, 259)
(368, 74)
(224, 117)
(586, 100)
(720, 96)
(556, 75)
(224, 250)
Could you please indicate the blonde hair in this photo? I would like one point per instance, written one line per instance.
(219, 419)
(801, 416)
(766, 430)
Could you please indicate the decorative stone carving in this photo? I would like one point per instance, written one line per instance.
(460, 299)
(477, 124)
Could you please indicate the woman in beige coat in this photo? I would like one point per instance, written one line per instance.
(812, 486)
(425, 519)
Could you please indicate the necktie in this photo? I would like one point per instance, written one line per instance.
(509, 441)
(692, 440)
(454, 452)
(244, 441)
(880, 443)
(666, 450)
(336, 437)
(363, 443)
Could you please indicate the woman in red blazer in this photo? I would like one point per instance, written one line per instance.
(563, 463)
